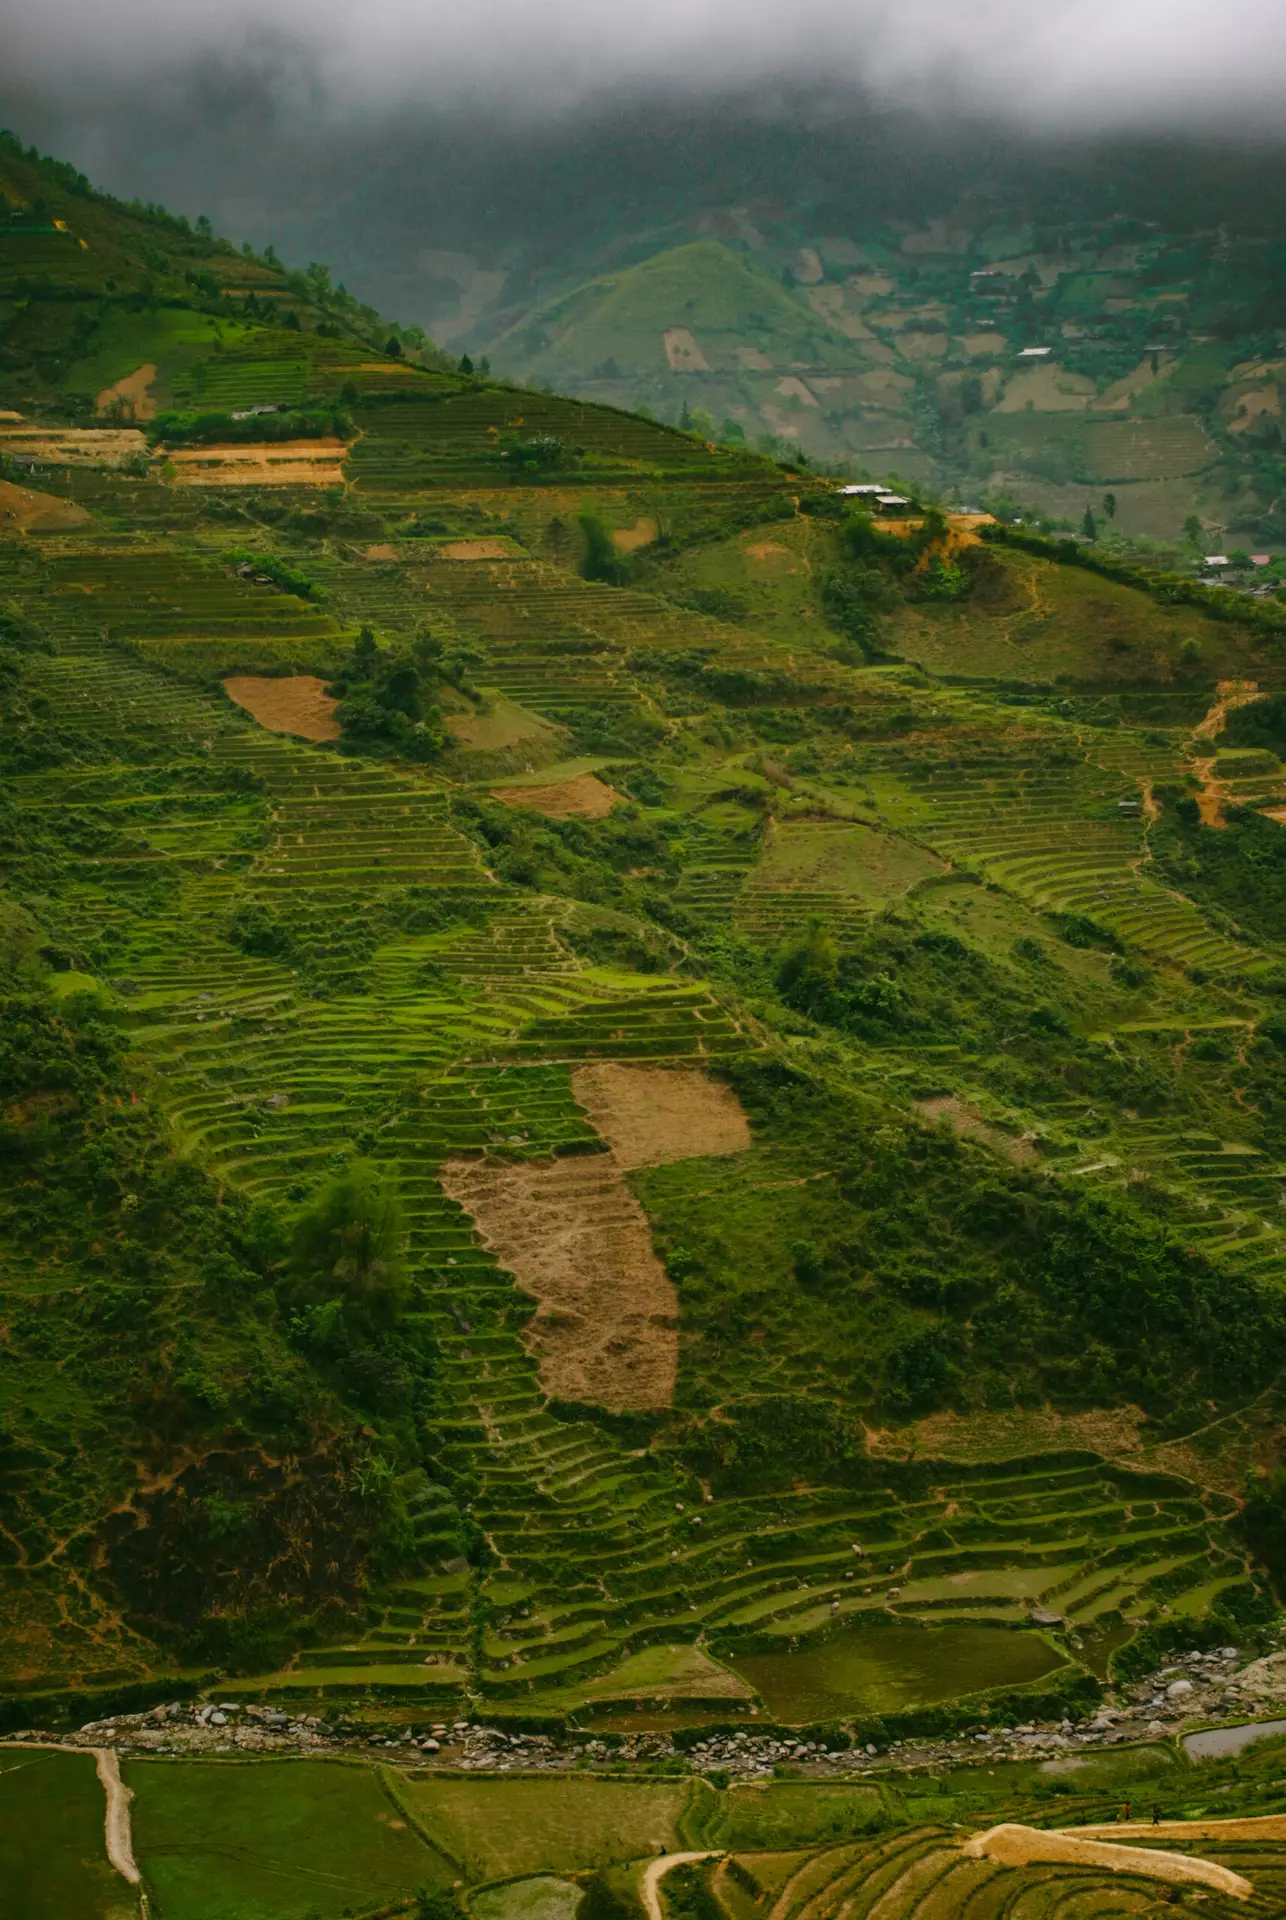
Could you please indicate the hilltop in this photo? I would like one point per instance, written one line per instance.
(610, 1069)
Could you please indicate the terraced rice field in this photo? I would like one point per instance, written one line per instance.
(923, 1873)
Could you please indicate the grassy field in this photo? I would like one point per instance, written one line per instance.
(498, 1827)
(52, 1856)
(273, 1840)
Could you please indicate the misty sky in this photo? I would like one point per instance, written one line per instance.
(1077, 65)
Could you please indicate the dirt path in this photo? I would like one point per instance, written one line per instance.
(1212, 792)
(655, 1872)
(1232, 693)
(1264, 1826)
(1017, 1846)
(120, 1839)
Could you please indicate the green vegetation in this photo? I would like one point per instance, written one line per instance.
(51, 1839)
(277, 1840)
(652, 754)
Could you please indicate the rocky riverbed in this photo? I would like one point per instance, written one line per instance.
(1196, 1690)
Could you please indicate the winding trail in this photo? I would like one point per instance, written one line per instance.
(655, 1871)
(120, 1838)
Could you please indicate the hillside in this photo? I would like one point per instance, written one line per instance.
(980, 349)
(624, 1093)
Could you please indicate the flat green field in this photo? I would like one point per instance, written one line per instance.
(53, 1859)
(497, 1827)
(273, 1840)
(883, 1670)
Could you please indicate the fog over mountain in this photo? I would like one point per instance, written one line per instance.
(1092, 64)
(380, 139)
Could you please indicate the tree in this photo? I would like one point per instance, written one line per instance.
(601, 561)
(808, 969)
(1193, 531)
(393, 347)
(436, 1903)
(1109, 505)
(347, 1244)
(466, 364)
(1088, 526)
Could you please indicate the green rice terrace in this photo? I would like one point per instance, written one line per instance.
(637, 1111)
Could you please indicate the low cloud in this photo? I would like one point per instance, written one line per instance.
(1087, 66)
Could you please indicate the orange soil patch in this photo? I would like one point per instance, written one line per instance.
(1231, 693)
(630, 539)
(474, 550)
(298, 704)
(23, 511)
(649, 1115)
(1017, 1846)
(74, 446)
(381, 551)
(754, 359)
(130, 398)
(585, 798)
(287, 463)
(964, 527)
(775, 558)
(682, 351)
(970, 1125)
(606, 1326)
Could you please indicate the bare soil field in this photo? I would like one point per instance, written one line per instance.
(1253, 406)
(606, 1327)
(285, 463)
(383, 550)
(298, 704)
(1049, 389)
(630, 539)
(584, 798)
(649, 1115)
(474, 550)
(754, 359)
(24, 511)
(73, 446)
(976, 345)
(682, 351)
(828, 303)
(130, 398)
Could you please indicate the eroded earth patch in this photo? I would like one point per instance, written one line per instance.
(606, 1326)
(649, 1115)
(297, 703)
